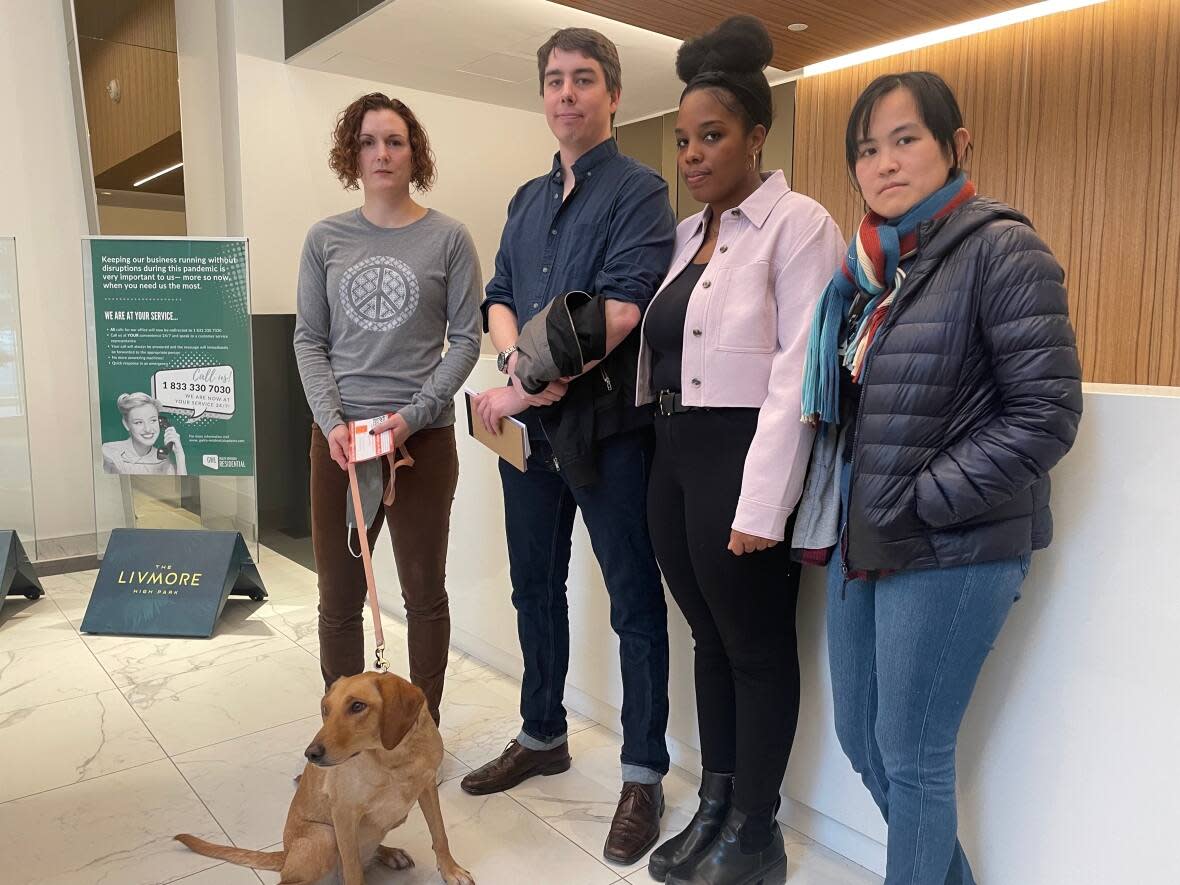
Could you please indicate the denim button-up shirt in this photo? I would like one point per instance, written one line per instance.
(613, 236)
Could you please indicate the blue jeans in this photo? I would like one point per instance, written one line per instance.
(539, 508)
(905, 653)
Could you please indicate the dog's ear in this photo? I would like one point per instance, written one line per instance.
(400, 703)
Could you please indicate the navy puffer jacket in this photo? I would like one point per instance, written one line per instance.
(971, 393)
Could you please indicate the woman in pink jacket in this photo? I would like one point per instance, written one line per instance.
(722, 358)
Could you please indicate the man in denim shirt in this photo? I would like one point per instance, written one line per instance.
(601, 223)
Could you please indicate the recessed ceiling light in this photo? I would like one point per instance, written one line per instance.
(797, 26)
(953, 32)
(105, 193)
(157, 174)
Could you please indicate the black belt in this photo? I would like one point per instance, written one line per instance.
(670, 402)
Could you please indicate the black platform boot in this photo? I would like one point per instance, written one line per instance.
(715, 792)
(725, 863)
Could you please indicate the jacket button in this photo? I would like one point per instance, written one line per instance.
(724, 248)
(706, 284)
(696, 382)
(696, 333)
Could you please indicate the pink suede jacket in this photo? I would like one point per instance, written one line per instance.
(746, 331)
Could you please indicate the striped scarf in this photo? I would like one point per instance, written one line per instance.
(872, 266)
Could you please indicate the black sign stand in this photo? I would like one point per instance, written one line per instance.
(161, 582)
(17, 577)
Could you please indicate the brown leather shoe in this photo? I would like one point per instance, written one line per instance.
(514, 765)
(636, 827)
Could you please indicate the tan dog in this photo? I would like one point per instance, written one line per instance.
(376, 755)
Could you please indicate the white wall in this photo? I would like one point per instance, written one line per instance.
(198, 70)
(1067, 770)
(43, 206)
(284, 118)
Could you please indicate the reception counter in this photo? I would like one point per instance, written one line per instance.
(1068, 769)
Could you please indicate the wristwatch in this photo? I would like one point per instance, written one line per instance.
(502, 358)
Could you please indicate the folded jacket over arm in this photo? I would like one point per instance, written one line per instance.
(558, 342)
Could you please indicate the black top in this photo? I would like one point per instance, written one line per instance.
(664, 328)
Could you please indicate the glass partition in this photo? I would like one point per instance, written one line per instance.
(171, 384)
(16, 475)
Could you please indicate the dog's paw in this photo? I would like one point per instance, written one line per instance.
(394, 857)
(456, 875)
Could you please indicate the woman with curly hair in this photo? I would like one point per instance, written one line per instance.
(381, 289)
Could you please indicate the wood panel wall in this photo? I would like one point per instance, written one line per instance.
(1075, 121)
(134, 42)
(147, 23)
(149, 110)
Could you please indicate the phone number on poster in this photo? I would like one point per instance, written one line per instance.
(195, 388)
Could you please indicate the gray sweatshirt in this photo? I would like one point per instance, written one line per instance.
(375, 305)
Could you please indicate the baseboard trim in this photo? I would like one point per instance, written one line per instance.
(828, 832)
(47, 567)
(66, 553)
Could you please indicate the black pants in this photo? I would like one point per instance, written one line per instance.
(741, 608)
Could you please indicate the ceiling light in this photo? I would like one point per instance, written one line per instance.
(954, 32)
(797, 26)
(157, 174)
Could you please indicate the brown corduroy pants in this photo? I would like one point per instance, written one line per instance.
(419, 523)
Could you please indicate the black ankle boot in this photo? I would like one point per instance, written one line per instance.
(715, 792)
(724, 863)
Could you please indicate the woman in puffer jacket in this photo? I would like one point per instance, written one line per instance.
(943, 370)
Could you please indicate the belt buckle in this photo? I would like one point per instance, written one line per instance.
(668, 397)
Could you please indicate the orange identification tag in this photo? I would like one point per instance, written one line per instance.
(365, 446)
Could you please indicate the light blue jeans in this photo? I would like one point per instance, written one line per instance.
(905, 652)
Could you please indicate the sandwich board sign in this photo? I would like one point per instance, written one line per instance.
(163, 582)
(17, 577)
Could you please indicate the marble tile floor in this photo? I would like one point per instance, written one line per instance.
(109, 746)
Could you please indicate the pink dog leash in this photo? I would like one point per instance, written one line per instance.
(379, 662)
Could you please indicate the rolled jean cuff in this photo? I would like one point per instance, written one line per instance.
(640, 774)
(531, 743)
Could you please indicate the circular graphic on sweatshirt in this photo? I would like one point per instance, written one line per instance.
(379, 293)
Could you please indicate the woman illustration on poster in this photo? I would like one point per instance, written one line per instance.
(138, 453)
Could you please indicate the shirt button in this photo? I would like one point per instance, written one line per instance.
(735, 212)
(555, 196)
(535, 305)
(724, 248)
(696, 333)
(588, 174)
(544, 270)
(696, 382)
(706, 284)
(553, 232)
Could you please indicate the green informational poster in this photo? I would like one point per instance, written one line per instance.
(172, 336)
